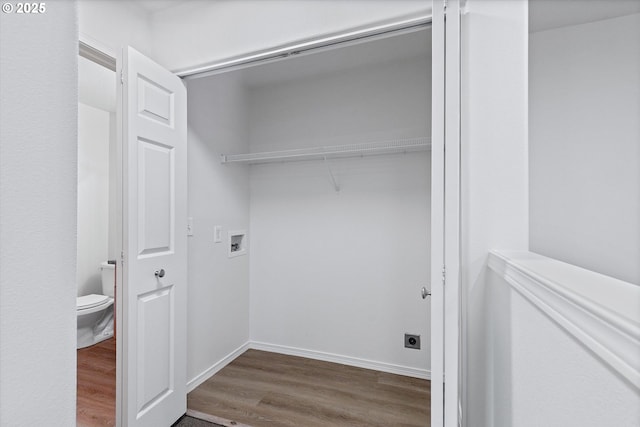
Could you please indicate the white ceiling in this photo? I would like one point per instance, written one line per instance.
(397, 48)
(550, 14)
(156, 5)
(543, 14)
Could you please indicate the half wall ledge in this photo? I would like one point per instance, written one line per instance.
(601, 312)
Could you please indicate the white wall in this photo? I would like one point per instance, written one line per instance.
(494, 206)
(546, 376)
(97, 173)
(38, 134)
(341, 273)
(115, 218)
(584, 150)
(96, 85)
(94, 126)
(110, 25)
(218, 300)
(200, 32)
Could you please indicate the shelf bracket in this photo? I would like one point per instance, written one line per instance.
(336, 186)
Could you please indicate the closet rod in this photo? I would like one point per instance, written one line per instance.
(96, 55)
(309, 46)
(336, 151)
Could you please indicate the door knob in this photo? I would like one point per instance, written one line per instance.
(425, 292)
(160, 273)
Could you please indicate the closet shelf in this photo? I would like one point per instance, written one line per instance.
(332, 152)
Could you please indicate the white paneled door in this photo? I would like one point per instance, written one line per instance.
(154, 290)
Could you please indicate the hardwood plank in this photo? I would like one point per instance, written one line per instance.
(96, 386)
(263, 389)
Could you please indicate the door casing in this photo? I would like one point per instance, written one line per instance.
(445, 246)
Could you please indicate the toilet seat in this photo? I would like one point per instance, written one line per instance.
(92, 302)
(95, 319)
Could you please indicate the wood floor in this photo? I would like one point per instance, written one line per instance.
(96, 388)
(262, 389)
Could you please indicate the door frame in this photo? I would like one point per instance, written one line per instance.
(446, 334)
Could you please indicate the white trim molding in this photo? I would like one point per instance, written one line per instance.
(216, 367)
(601, 312)
(344, 360)
(309, 354)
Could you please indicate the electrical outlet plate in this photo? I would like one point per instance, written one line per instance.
(412, 341)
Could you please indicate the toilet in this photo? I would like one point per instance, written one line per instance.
(95, 312)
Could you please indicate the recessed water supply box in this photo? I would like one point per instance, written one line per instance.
(237, 243)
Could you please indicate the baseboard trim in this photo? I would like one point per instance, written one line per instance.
(344, 360)
(310, 354)
(213, 369)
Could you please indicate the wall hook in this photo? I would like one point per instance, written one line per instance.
(336, 186)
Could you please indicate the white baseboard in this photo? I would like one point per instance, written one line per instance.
(310, 354)
(344, 360)
(211, 371)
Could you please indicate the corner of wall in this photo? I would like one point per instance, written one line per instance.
(494, 180)
(218, 197)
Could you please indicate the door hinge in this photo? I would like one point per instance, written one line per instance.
(444, 275)
(122, 258)
(121, 77)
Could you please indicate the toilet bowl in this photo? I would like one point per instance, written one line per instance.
(95, 311)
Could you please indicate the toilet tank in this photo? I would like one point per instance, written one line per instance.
(108, 272)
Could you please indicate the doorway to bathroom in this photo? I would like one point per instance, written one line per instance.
(97, 243)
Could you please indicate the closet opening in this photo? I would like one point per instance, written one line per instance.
(323, 161)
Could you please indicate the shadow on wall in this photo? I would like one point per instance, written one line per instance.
(488, 396)
(499, 342)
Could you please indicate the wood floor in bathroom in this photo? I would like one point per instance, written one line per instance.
(96, 403)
